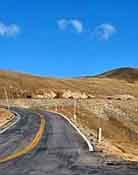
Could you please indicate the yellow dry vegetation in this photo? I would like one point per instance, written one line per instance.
(29, 147)
(118, 119)
(21, 85)
(5, 117)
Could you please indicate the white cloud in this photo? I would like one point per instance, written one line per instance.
(76, 24)
(104, 31)
(62, 24)
(9, 30)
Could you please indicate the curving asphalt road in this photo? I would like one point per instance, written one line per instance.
(61, 151)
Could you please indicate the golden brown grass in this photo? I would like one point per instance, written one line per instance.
(5, 116)
(19, 85)
(120, 133)
(121, 130)
(126, 73)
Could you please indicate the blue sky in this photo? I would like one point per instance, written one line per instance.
(68, 37)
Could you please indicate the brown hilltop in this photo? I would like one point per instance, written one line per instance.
(128, 74)
(20, 85)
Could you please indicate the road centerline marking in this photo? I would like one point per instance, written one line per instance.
(29, 147)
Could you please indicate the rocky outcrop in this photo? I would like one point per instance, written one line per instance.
(66, 94)
(90, 96)
(42, 94)
(49, 95)
(74, 95)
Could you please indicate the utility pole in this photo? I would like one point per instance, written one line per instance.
(7, 100)
(99, 135)
(62, 107)
(56, 109)
(75, 110)
(99, 130)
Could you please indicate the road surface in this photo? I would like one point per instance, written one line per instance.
(61, 151)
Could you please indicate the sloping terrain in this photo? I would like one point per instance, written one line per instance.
(5, 117)
(112, 107)
(128, 74)
(20, 85)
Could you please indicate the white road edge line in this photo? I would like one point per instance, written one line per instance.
(91, 147)
(12, 124)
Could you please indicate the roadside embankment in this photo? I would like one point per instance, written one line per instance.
(5, 117)
(118, 119)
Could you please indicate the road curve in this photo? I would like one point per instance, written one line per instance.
(27, 149)
(10, 123)
(61, 151)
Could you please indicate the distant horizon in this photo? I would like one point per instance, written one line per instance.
(74, 76)
(68, 38)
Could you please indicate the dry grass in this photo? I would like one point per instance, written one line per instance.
(128, 74)
(5, 117)
(20, 85)
(119, 119)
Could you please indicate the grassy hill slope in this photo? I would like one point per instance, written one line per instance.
(110, 83)
(128, 74)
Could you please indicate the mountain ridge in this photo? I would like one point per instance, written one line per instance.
(124, 73)
(113, 82)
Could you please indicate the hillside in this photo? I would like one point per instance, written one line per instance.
(128, 74)
(106, 109)
(20, 85)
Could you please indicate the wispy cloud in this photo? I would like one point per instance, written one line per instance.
(105, 31)
(63, 24)
(9, 30)
(76, 24)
